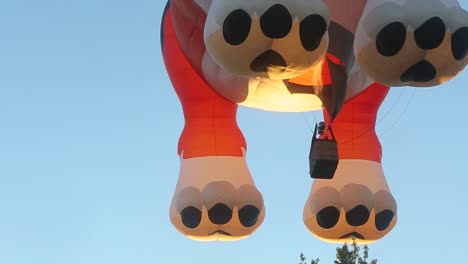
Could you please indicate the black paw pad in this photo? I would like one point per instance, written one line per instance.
(191, 217)
(311, 30)
(460, 43)
(267, 59)
(276, 22)
(220, 214)
(358, 215)
(328, 217)
(236, 27)
(353, 235)
(430, 34)
(391, 38)
(422, 71)
(383, 219)
(248, 215)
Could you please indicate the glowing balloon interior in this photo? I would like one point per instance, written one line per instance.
(339, 56)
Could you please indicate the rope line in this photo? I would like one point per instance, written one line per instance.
(379, 120)
(384, 116)
(401, 115)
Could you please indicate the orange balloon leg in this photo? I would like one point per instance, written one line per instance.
(210, 119)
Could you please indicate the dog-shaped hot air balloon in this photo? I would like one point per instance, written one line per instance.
(295, 56)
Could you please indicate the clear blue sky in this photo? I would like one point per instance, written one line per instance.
(89, 125)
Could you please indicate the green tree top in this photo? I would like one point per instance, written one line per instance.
(347, 255)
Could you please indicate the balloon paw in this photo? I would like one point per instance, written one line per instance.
(409, 45)
(338, 210)
(258, 39)
(215, 203)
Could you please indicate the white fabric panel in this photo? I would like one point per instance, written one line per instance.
(204, 4)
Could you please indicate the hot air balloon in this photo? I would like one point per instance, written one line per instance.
(335, 56)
